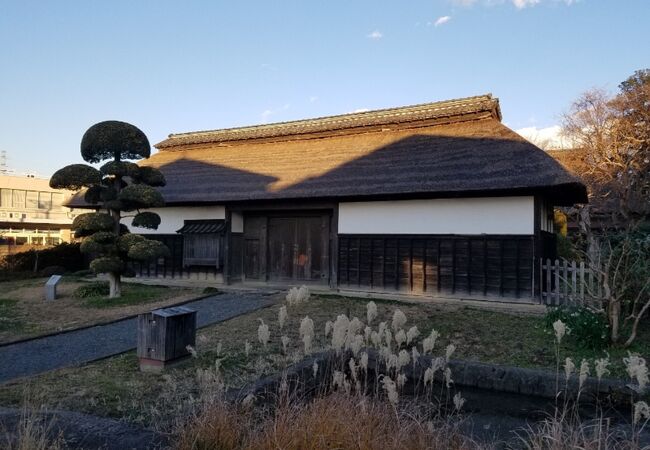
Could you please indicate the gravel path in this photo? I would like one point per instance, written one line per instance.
(82, 346)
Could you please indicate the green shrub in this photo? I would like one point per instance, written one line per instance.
(211, 290)
(52, 270)
(566, 248)
(83, 273)
(94, 289)
(588, 328)
(107, 264)
(65, 255)
(6, 275)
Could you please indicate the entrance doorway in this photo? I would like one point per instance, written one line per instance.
(287, 248)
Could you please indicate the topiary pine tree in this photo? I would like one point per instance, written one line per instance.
(116, 187)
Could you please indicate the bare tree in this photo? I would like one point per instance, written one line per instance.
(623, 267)
(615, 132)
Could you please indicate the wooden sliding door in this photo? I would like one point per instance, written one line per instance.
(287, 248)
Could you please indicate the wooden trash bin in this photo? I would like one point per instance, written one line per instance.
(163, 337)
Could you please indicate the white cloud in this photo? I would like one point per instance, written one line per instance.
(547, 138)
(267, 113)
(358, 110)
(313, 99)
(375, 35)
(521, 4)
(441, 21)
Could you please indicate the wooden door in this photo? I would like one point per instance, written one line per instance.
(255, 228)
(298, 249)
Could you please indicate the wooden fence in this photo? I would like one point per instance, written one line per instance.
(565, 282)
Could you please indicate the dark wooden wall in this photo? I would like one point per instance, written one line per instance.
(172, 266)
(476, 266)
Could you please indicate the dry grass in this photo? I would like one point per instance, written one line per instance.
(562, 433)
(32, 433)
(336, 421)
(30, 315)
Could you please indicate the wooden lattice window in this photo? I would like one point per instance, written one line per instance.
(203, 243)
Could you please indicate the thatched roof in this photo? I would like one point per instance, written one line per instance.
(444, 149)
(479, 106)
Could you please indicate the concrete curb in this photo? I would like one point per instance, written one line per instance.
(465, 374)
(84, 430)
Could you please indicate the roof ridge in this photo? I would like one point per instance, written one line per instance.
(403, 114)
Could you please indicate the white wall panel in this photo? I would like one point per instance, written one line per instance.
(490, 215)
(173, 217)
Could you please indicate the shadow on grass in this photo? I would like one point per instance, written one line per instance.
(132, 294)
(10, 319)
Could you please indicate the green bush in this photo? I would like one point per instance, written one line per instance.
(566, 248)
(65, 255)
(211, 290)
(94, 289)
(83, 273)
(588, 328)
(52, 270)
(107, 264)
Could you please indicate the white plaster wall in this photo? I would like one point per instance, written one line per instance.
(173, 217)
(490, 215)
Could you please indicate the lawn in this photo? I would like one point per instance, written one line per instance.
(114, 387)
(24, 312)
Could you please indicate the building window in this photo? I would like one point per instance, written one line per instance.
(44, 200)
(31, 200)
(203, 242)
(18, 199)
(5, 198)
(57, 201)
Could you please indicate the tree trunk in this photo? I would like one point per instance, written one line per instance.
(584, 223)
(614, 313)
(115, 279)
(635, 325)
(115, 285)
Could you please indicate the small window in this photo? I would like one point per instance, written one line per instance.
(203, 242)
(18, 199)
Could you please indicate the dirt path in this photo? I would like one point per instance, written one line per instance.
(81, 346)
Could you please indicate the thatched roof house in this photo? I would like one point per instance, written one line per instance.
(439, 198)
(451, 148)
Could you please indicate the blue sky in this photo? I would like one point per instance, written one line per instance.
(172, 66)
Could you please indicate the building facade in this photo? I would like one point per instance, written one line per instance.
(32, 214)
(439, 199)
